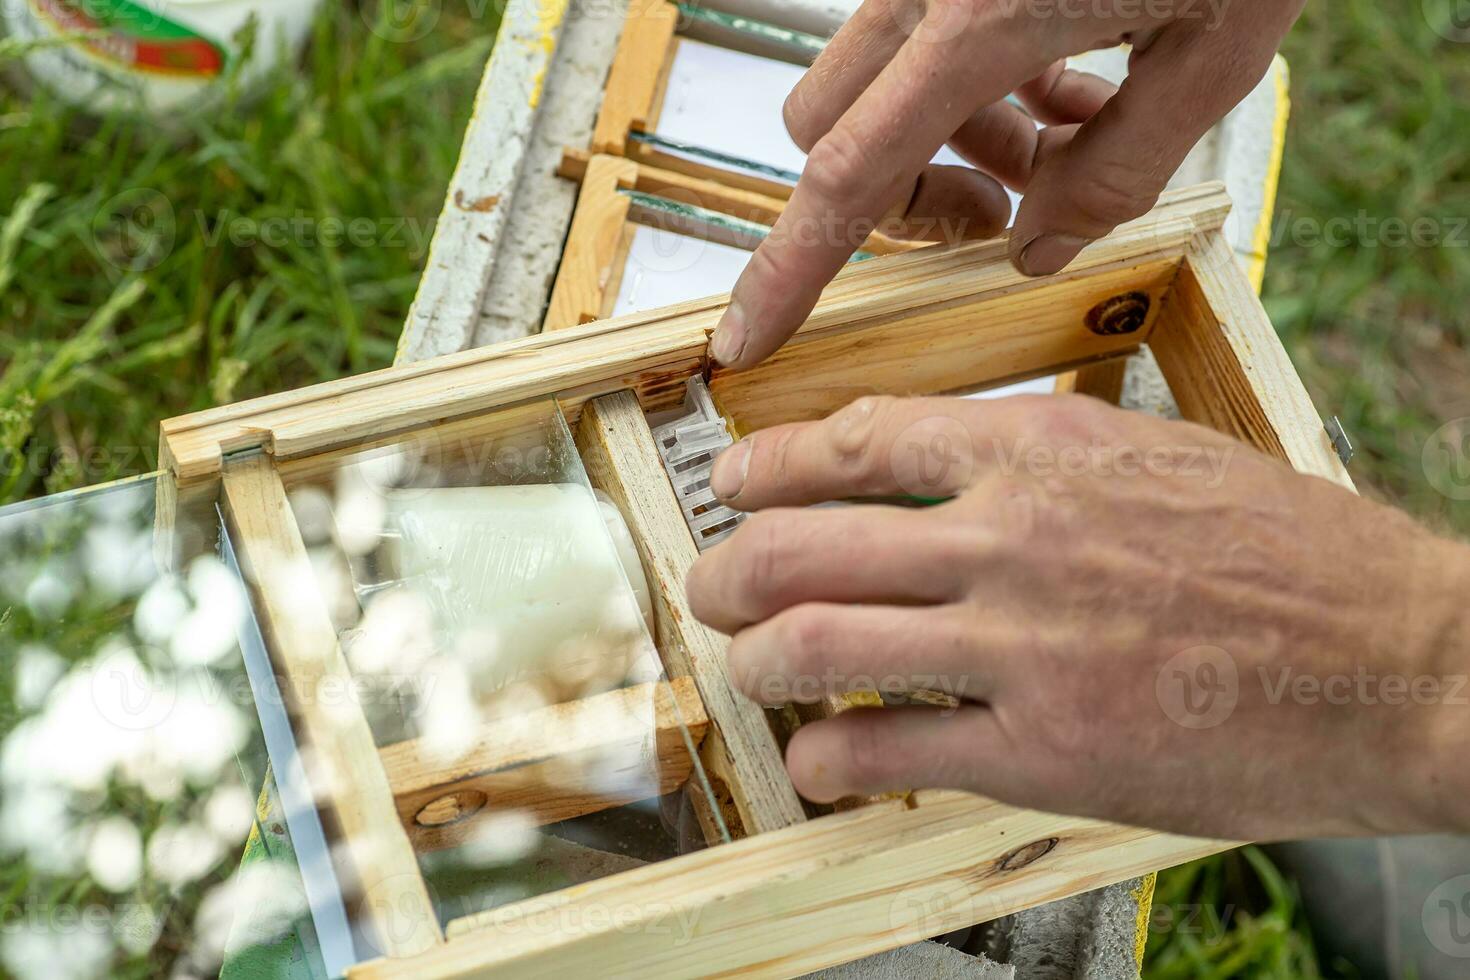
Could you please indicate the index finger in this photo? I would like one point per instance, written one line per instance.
(927, 448)
(856, 171)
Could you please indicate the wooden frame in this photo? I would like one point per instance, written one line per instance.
(591, 269)
(636, 86)
(796, 894)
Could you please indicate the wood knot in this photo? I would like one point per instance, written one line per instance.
(1026, 854)
(448, 809)
(1119, 314)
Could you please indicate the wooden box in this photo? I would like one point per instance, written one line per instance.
(787, 894)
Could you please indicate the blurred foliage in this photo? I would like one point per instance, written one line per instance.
(1228, 916)
(1379, 327)
(149, 270)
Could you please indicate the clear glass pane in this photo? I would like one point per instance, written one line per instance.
(497, 622)
(140, 830)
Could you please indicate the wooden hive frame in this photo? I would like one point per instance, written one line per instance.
(795, 894)
(598, 242)
(637, 84)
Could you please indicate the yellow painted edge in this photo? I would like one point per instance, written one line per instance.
(1143, 895)
(1261, 239)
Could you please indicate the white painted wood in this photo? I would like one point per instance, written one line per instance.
(481, 194)
(530, 245)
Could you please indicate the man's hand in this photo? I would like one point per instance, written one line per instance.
(1143, 620)
(903, 77)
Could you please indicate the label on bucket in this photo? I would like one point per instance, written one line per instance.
(133, 37)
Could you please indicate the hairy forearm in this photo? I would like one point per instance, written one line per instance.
(1442, 628)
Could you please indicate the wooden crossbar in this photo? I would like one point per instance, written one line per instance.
(796, 900)
(553, 764)
(340, 757)
(654, 352)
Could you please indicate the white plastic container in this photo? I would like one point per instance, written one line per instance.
(160, 57)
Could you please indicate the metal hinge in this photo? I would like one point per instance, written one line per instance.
(1340, 440)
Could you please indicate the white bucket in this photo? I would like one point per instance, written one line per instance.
(157, 56)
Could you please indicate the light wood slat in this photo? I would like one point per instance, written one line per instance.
(621, 458)
(340, 757)
(1103, 380)
(630, 100)
(552, 764)
(652, 352)
(653, 156)
(799, 899)
(1010, 334)
(1228, 368)
(592, 244)
(715, 196)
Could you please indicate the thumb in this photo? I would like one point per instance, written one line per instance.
(1119, 161)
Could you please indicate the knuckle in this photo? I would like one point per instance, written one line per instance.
(835, 167)
(777, 470)
(1112, 192)
(1062, 420)
(805, 636)
(855, 452)
(762, 550)
(865, 757)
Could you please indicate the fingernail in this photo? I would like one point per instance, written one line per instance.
(730, 469)
(728, 343)
(1050, 254)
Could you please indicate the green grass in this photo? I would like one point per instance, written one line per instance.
(1226, 917)
(147, 272)
(1379, 331)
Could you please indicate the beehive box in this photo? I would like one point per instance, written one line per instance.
(775, 893)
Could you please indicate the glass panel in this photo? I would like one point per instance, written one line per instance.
(140, 833)
(496, 619)
(701, 119)
(680, 251)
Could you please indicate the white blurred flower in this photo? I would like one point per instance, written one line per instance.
(114, 697)
(396, 636)
(136, 926)
(160, 610)
(208, 632)
(448, 714)
(194, 741)
(49, 592)
(35, 821)
(333, 581)
(119, 558)
(179, 853)
(33, 952)
(261, 901)
(228, 813)
(360, 512)
(312, 507)
(501, 838)
(37, 669)
(115, 854)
